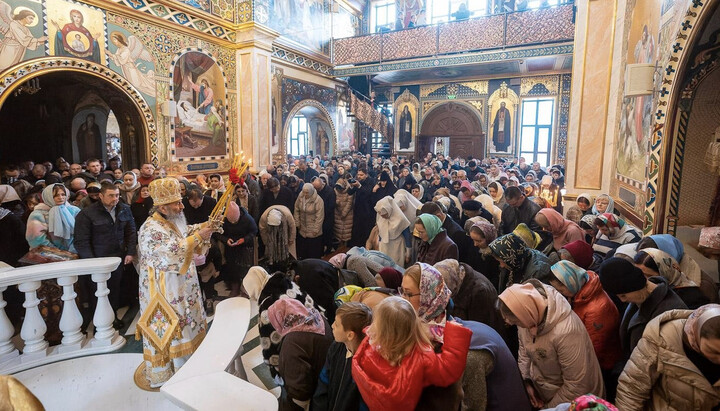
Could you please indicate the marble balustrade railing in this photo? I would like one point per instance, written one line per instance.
(36, 351)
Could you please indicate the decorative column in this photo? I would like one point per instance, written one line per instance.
(254, 87)
(71, 319)
(33, 328)
(7, 349)
(104, 314)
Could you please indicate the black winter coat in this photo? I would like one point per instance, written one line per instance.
(336, 389)
(96, 235)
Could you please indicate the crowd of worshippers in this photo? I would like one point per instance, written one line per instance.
(389, 284)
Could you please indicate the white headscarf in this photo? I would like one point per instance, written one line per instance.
(411, 204)
(392, 227)
(255, 281)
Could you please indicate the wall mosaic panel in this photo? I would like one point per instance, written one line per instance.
(549, 86)
(180, 17)
(563, 119)
(540, 26)
(475, 34)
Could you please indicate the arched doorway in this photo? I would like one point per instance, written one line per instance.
(61, 107)
(681, 189)
(457, 126)
(309, 130)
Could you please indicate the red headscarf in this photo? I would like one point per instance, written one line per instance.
(581, 252)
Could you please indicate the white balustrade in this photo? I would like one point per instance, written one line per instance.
(36, 350)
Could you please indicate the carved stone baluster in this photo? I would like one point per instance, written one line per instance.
(7, 349)
(104, 314)
(33, 328)
(71, 319)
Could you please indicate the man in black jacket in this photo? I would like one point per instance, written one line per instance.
(198, 206)
(276, 194)
(518, 210)
(304, 172)
(107, 229)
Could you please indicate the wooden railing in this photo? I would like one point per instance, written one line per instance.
(36, 350)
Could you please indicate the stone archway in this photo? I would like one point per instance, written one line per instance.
(15, 77)
(457, 120)
(324, 115)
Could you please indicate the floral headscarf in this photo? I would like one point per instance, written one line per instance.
(592, 403)
(432, 224)
(488, 230)
(345, 294)
(669, 268)
(529, 237)
(61, 219)
(434, 298)
(512, 250)
(288, 314)
(694, 324)
(453, 274)
(572, 276)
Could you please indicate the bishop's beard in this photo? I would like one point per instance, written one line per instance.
(178, 219)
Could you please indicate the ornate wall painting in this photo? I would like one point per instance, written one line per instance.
(503, 106)
(21, 32)
(321, 143)
(410, 13)
(200, 93)
(306, 22)
(406, 121)
(128, 56)
(203, 5)
(88, 133)
(75, 30)
(635, 120)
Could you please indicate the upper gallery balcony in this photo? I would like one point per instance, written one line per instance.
(505, 31)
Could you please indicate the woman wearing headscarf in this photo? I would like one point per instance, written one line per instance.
(435, 245)
(10, 200)
(141, 205)
(676, 364)
(245, 199)
(613, 232)
(653, 262)
(416, 172)
(647, 298)
(466, 191)
(594, 308)
(383, 188)
(578, 252)
(518, 262)
(238, 237)
(278, 234)
(585, 203)
(563, 231)
(492, 379)
(343, 212)
(52, 222)
(587, 223)
(309, 215)
(266, 289)
(305, 338)
(482, 233)
(556, 356)
(688, 265)
(497, 192)
(531, 177)
(604, 204)
(129, 187)
(376, 256)
(393, 232)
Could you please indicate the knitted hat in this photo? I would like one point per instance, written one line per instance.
(165, 191)
(391, 277)
(620, 276)
(581, 252)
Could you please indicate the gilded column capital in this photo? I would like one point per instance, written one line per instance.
(252, 34)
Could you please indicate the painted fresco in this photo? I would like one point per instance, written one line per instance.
(306, 22)
(21, 32)
(75, 30)
(203, 5)
(128, 56)
(503, 106)
(88, 133)
(405, 117)
(199, 92)
(410, 13)
(294, 91)
(635, 125)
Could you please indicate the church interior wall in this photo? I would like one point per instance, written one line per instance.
(141, 51)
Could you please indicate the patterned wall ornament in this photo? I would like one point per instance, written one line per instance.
(427, 90)
(669, 95)
(302, 61)
(11, 79)
(427, 105)
(563, 118)
(528, 84)
(180, 17)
